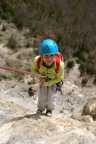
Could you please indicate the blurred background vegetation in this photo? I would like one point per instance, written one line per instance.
(71, 23)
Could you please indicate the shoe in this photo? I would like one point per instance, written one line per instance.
(49, 113)
(39, 112)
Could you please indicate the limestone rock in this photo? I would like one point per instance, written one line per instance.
(90, 108)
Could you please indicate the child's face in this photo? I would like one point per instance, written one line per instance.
(48, 59)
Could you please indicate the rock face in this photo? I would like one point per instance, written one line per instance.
(44, 130)
(20, 124)
(90, 108)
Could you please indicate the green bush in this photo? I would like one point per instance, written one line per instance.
(70, 64)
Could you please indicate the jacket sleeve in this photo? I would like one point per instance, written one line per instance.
(58, 78)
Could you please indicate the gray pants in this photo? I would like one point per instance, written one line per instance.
(45, 98)
(48, 98)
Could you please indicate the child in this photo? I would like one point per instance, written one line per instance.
(50, 66)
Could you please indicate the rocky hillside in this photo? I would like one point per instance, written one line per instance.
(19, 123)
(76, 122)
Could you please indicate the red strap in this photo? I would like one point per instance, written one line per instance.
(57, 58)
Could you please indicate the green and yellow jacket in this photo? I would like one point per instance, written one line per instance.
(50, 72)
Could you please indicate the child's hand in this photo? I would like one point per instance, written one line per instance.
(42, 80)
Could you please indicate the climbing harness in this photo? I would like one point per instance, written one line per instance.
(59, 86)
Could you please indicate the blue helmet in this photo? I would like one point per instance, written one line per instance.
(48, 47)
